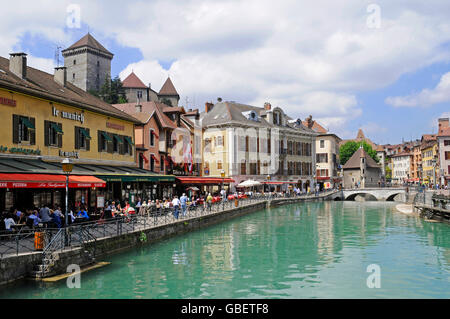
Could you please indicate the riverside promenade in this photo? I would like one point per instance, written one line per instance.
(83, 244)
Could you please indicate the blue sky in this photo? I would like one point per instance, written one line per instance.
(383, 68)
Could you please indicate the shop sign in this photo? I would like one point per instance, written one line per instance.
(69, 154)
(20, 150)
(115, 126)
(67, 115)
(6, 101)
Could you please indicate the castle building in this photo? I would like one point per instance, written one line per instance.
(88, 63)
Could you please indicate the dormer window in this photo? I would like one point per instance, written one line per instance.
(277, 118)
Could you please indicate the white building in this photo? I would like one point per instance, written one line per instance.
(401, 168)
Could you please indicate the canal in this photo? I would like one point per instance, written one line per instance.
(307, 250)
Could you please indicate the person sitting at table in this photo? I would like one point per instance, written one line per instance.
(56, 219)
(9, 221)
(82, 214)
(126, 208)
(33, 220)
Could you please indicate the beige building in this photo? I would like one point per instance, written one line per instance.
(260, 143)
(327, 161)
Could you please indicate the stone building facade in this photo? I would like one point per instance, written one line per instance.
(88, 63)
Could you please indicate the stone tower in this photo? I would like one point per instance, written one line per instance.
(88, 63)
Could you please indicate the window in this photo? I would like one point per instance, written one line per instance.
(447, 155)
(152, 162)
(322, 143)
(73, 76)
(152, 138)
(219, 165)
(322, 158)
(82, 138)
(74, 62)
(98, 63)
(206, 169)
(127, 145)
(446, 142)
(117, 142)
(218, 141)
(23, 129)
(52, 134)
(243, 168)
(139, 94)
(253, 169)
(208, 145)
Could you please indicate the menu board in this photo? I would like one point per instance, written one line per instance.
(100, 201)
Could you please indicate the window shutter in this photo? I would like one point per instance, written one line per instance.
(110, 145)
(88, 141)
(15, 129)
(33, 132)
(46, 135)
(60, 136)
(131, 148)
(77, 138)
(99, 140)
(122, 145)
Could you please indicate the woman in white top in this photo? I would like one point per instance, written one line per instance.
(8, 223)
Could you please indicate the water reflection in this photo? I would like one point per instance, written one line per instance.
(311, 250)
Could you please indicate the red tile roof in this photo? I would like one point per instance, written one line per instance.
(132, 81)
(89, 41)
(148, 108)
(168, 88)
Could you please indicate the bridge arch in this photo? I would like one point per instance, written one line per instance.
(391, 197)
(352, 197)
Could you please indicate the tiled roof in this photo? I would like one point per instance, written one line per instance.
(42, 84)
(168, 88)
(354, 161)
(148, 108)
(315, 126)
(444, 132)
(89, 41)
(132, 81)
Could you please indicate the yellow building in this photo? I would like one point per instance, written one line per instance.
(47, 119)
(430, 163)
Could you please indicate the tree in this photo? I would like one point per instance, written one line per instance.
(348, 149)
(111, 92)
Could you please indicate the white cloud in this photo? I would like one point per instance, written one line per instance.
(426, 97)
(307, 57)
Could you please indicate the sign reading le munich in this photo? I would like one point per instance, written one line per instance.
(67, 115)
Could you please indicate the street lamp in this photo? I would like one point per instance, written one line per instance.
(268, 185)
(222, 174)
(67, 167)
(433, 161)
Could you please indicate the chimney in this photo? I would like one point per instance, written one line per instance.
(138, 108)
(208, 107)
(150, 86)
(60, 75)
(267, 106)
(443, 123)
(309, 121)
(18, 64)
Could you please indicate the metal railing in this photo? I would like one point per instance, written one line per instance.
(76, 235)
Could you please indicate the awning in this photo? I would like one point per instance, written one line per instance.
(154, 133)
(322, 178)
(279, 182)
(137, 178)
(48, 181)
(154, 158)
(27, 123)
(118, 139)
(106, 137)
(85, 133)
(204, 180)
(143, 156)
(129, 141)
(57, 128)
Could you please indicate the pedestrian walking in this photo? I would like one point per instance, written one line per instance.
(183, 202)
(176, 205)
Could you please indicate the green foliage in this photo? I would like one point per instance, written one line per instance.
(388, 172)
(348, 149)
(111, 92)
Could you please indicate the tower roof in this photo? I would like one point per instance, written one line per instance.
(88, 41)
(168, 88)
(360, 134)
(354, 161)
(132, 81)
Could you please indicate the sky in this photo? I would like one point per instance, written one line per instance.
(381, 66)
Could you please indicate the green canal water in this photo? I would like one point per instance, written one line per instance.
(309, 250)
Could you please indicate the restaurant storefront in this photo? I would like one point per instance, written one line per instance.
(203, 184)
(28, 191)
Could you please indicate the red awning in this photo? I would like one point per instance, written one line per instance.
(48, 181)
(322, 178)
(279, 183)
(154, 158)
(204, 180)
(154, 133)
(143, 156)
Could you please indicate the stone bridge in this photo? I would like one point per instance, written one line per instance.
(381, 194)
